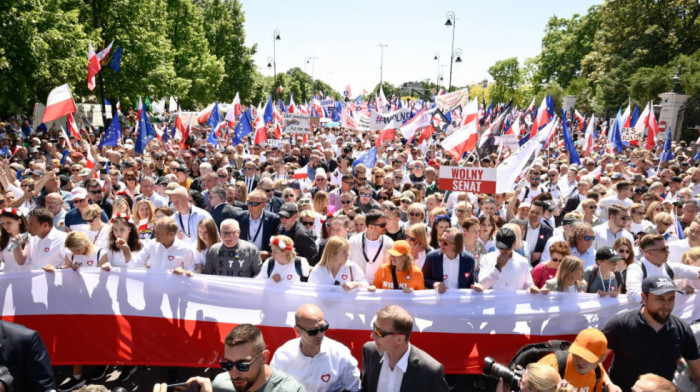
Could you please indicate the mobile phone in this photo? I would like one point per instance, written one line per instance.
(184, 387)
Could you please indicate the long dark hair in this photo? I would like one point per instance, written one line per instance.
(4, 235)
(133, 241)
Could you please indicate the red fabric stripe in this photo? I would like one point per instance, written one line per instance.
(134, 340)
(58, 110)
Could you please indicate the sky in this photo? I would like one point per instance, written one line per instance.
(344, 36)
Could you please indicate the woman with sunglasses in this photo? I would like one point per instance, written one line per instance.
(417, 237)
(441, 222)
(638, 223)
(548, 269)
(581, 241)
(334, 268)
(378, 176)
(96, 230)
(399, 272)
(654, 208)
(131, 182)
(416, 214)
(664, 222)
(589, 208)
(283, 265)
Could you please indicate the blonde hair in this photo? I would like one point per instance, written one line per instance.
(690, 255)
(406, 262)
(333, 246)
(416, 207)
(568, 265)
(291, 254)
(76, 240)
(518, 235)
(545, 379)
(321, 202)
(91, 212)
(421, 234)
(151, 210)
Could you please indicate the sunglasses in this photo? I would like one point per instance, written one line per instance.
(316, 331)
(411, 239)
(382, 198)
(241, 366)
(664, 249)
(380, 332)
(288, 196)
(222, 176)
(592, 207)
(625, 251)
(267, 190)
(255, 203)
(351, 183)
(346, 202)
(625, 218)
(415, 214)
(307, 223)
(382, 225)
(405, 202)
(366, 194)
(361, 178)
(589, 237)
(556, 260)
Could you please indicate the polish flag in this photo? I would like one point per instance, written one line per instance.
(58, 104)
(652, 128)
(462, 140)
(179, 126)
(203, 116)
(579, 118)
(260, 128)
(301, 173)
(104, 52)
(233, 112)
(387, 134)
(542, 118)
(91, 162)
(419, 121)
(237, 106)
(625, 119)
(348, 93)
(292, 108)
(93, 68)
(588, 137)
(65, 136)
(138, 115)
(470, 113)
(186, 134)
(72, 127)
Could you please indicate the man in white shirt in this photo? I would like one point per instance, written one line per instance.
(46, 245)
(54, 203)
(678, 247)
(147, 185)
(505, 269)
(654, 263)
(609, 232)
(168, 252)
(368, 249)
(624, 193)
(186, 216)
(533, 190)
(319, 363)
(391, 364)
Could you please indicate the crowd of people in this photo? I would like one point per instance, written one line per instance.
(305, 211)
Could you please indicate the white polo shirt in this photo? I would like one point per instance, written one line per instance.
(332, 369)
(47, 250)
(179, 254)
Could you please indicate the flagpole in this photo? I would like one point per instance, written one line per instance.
(100, 80)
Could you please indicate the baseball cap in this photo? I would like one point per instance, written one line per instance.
(162, 181)
(616, 176)
(78, 193)
(287, 210)
(570, 219)
(590, 344)
(657, 285)
(525, 204)
(295, 185)
(505, 238)
(400, 248)
(607, 253)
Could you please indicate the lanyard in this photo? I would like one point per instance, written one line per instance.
(189, 217)
(381, 245)
(257, 233)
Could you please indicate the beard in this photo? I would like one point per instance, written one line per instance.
(658, 317)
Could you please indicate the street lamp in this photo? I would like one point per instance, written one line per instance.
(451, 21)
(457, 53)
(269, 62)
(437, 78)
(381, 65)
(311, 60)
(275, 37)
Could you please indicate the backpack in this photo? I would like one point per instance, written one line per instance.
(668, 269)
(618, 278)
(297, 267)
(533, 352)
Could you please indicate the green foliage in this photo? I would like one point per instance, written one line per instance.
(507, 78)
(647, 83)
(388, 88)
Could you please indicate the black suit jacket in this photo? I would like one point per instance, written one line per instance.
(572, 202)
(545, 233)
(304, 242)
(423, 373)
(223, 211)
(275, 203)
(433, 272)
(24, 354)
(270, 226)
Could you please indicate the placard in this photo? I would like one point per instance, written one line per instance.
(296, 123)
(629, 134)
(468, 179)
(509, 141)
(448, 101)
(327, 102)
(379, 121)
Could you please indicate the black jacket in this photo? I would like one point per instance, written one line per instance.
(223, 211)
(270, 227)
(24, 354)
(304, 242)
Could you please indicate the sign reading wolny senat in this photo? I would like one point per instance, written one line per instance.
(296, 123)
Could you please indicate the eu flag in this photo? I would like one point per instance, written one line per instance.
(214, 121)
(63, 156)
(113, 134)
(667, 154)
(368, 158)
(242, 128)
(267, 116)
(117, 59)
(569, 142)
(146, 132)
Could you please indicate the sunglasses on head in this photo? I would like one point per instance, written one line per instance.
(316, 331)
(380, 332)
(241, 366)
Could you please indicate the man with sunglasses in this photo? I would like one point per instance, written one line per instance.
(258, 225)
(346, 184)
(365, 201)
(245, 363)
(368, 248)
(273, 202)
(390, 363)
(533, 189)
(655, 263)
(74, 218)
(318, 362)
(609, 232)
(304, 243)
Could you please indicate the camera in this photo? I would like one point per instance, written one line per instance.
(6, 380)
(511, 377)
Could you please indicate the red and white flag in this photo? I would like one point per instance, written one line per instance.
(93, 68)
(348, 93)
(58, 104)
(579, 119)
(91, 163)
(301, 173)
(260, 128)
(104, 52)
(419, 121)
(470, 113)
(462, 140)
(179, 126)
(647, 121)
(72, 126)
(186, 134)
(203, 116)
(65, 136)
(588, 137)
(292, 108)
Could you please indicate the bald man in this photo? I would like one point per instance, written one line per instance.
(54, 203)
(316, 361)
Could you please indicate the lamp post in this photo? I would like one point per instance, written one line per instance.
(451, 21)
(312, 60)
(269, 63)
(275, 37)
(381, 64)
(437, 78)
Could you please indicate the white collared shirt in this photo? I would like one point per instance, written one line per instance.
(179, 254)
(531, 236)
(47, 250)
(515, 275)
(253, 226)
(332, 369)
(450, 268)
(348, 272)
(390, 380)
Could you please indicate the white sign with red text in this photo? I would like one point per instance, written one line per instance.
(467, 179)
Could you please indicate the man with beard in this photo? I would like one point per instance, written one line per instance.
(651, 339)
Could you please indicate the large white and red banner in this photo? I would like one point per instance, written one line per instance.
(468, 179)
(143, 317)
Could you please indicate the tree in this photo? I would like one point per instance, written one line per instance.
(507, 80)
(388, 88)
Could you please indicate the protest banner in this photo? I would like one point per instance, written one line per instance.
(362, 122)
(136, 316)
(392, 120)
(467, 179)
(509, 141)
(630, 134)
(327, 102)
(296, 123)
(448, 101)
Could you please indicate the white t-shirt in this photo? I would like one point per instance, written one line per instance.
(48, 250)
(179, 254)
(323, 275)
(287, 272)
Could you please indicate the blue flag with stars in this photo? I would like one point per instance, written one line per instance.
(112, 134)
(63, 157)
(146, 132)
(242, 129)
(117, 59)
(667, 155)
(214, 120)
(368, 158)
(267, 116)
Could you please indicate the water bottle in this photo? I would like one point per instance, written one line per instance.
(14, 244)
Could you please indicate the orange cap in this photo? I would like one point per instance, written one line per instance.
(400, 248)
(590, 344)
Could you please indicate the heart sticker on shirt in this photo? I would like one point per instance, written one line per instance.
(408, 277)
(289, 277)
(466, 275)
(444, 277)
(171, 257)
(90, 263)
(325, 378)
(46, 250)
(541, 236)
(345, 277)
